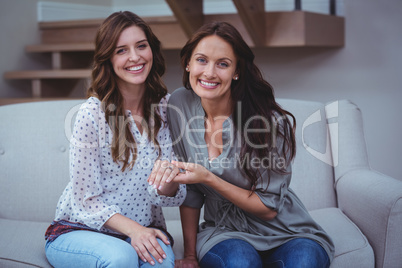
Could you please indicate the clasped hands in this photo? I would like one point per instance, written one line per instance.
(166, 175)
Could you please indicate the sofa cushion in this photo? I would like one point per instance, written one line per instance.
(22, 244)
(352, 248)
(316, 169)
(34, 158)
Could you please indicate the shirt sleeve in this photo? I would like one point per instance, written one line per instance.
(194, 198)
(168, 201)
(272, 186)
(272, 189)
(87, 204)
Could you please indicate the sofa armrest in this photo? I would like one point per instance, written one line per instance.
(373, 201)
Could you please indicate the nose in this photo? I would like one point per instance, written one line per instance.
(209, 71)
(134, 56)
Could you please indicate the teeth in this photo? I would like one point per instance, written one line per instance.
(208, 84)
(135, 68)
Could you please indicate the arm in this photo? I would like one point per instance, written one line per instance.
(238, 196)
(189, 219)
(87, 203)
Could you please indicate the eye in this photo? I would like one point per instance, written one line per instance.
(223, 64)
(142, 46)
(120, 50)
(201, 60)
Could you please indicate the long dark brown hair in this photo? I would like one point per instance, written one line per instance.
(104, 85)
(256, 99)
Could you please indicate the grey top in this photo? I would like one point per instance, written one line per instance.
(222, 219)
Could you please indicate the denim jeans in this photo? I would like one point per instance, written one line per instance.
(91, 249)
(298, 252)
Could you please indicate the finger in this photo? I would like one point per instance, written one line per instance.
(177, 263)
(155, 169)
(143, 254)
(163, 237)
(155, 250)
(162, 174)
(173, 174)
(159, 249)
(184, 165)
(182, 178)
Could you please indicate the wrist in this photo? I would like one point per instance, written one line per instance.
(191, 256)
(169, 189)
(209, 178)
(134, 229)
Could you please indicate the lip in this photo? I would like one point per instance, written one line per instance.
(208, 84)
(138, 68)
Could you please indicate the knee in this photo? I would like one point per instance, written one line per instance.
(244, 262)
(308, 254)
(243, 257)
(168, 262)
(233, 253)
(120, 257)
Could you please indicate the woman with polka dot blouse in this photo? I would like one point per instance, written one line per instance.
(110, 215)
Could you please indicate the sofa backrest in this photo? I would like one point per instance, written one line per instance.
(34, 151)
(313, 172)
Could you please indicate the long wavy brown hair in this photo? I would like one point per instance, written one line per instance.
(104, 86)
(256, 99)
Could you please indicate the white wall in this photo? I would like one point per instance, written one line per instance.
(368, 70)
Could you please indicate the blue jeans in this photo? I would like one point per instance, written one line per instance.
(298, 252)
(91, 249)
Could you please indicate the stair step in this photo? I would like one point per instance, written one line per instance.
(66, 47)
(8, 101)
(46, 25)
(166, 28)
(39, 77)
(49, 74)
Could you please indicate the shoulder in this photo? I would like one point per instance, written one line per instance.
(92, 106)
(183, 102)
(90, 112)
(182, 97)
(162, 106)
(164, 100)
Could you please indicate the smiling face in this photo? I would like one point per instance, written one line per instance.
(132, 59)
(211, 68)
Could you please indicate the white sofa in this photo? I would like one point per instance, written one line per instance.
(360, 208)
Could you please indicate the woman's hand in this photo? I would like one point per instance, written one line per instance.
(144, 242)
(143, 239)
(187, 262)
(194, 173)
(162, 176)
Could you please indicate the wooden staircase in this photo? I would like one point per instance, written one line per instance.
(71, 43)
(71, 46)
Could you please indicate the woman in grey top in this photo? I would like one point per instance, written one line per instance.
(235, 144)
